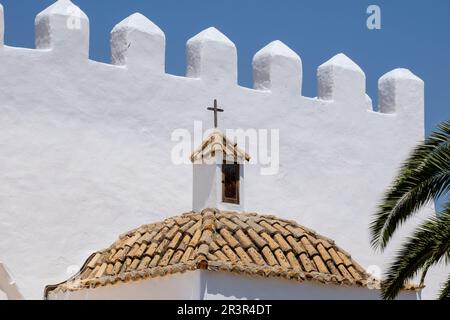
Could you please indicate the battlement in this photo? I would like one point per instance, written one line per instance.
(138, 45)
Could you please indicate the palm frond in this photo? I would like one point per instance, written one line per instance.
(445, 291)
(437, 141)
(424, 177)
(429, 244)
(425, 268)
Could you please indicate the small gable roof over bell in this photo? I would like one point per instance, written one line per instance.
(215, 143)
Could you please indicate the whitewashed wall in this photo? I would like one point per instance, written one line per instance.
(208, 285)
(180, 286)
(85, 146)
(8, 287)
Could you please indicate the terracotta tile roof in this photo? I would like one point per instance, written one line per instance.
(245, 243)
(217, 142)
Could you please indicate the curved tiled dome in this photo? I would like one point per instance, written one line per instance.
(245, 243)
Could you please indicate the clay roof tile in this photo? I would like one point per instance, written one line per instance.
(227, 241)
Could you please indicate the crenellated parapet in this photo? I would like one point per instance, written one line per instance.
(138, 45)
(341, 79)
(211, 56)
(63, 28)
(278, 69)
(400, 91)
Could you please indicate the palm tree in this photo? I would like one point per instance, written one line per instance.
(424, 177)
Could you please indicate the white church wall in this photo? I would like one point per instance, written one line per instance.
(85, 146)
(210, 285)
(179, 286)
(7, 285)
(232, 286)
(205, 186)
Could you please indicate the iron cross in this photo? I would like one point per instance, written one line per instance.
(215, 109)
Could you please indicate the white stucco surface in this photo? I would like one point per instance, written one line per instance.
(8, 288)
(180, 286)
(231, 286)
(210, 285)
(85, 146)
(207, 186)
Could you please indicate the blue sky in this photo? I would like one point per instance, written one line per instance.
(414, 35)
